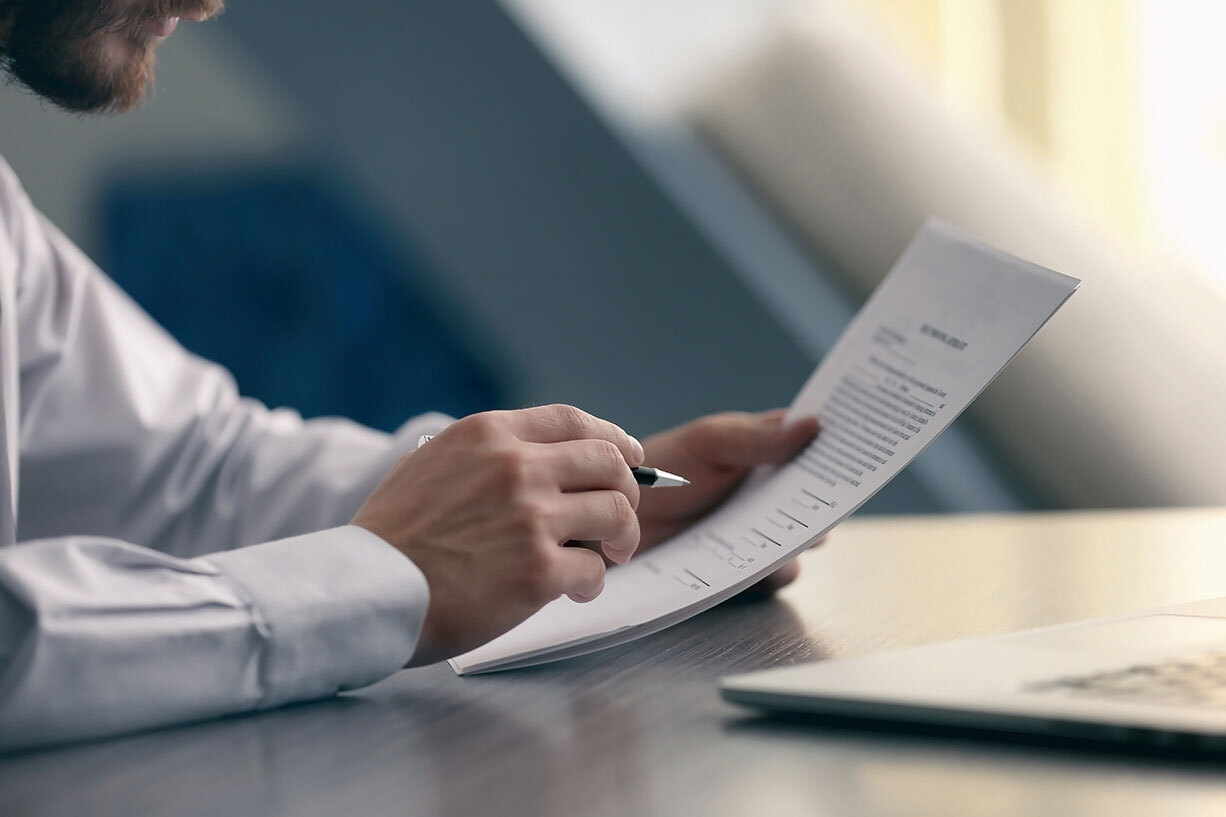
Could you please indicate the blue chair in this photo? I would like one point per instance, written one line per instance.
(295, 289)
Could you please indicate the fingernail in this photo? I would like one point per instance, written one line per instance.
(638, 446)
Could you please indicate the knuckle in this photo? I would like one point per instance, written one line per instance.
(610, 456)
(736, 420)
(573, 420)
(732, 431)
(621, 511)
(479, 427)
(512, 468)
(726, 423)
(528, 520)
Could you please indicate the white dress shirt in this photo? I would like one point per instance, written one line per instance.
(175, 551)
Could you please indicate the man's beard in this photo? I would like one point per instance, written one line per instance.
(59, 48)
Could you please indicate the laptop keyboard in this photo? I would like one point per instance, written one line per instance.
(1198, 682)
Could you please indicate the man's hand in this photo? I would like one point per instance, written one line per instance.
(715, 453)
(485, 508)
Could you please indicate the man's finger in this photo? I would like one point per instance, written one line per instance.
(603, 516)
(590, 465)
(580, 573)
(561, 423)
(735, 440)
(780, 579)
(791, 440)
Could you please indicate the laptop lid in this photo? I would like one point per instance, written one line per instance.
(1157, 677)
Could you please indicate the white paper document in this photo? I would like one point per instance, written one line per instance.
(950, 315)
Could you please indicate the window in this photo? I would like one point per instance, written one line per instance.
(1122, 101)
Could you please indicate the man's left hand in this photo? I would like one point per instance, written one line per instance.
(715, 453)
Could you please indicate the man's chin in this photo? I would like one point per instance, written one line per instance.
(91, 56)
(111, 77)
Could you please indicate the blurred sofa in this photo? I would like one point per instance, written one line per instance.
(1120, 400)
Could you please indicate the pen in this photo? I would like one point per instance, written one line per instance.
(656, 478)
(647, 477)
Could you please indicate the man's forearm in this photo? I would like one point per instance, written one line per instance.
(98, 637)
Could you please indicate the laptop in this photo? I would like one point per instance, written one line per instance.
(1155, 679)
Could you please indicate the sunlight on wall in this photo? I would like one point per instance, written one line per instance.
(1183, 102)
(1124, 101)
(1058, 74)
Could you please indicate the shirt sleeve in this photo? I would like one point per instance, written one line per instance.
(184, 551)
(125, 434)
(99, 637)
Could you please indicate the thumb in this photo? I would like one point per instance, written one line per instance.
(790, 439)
(745, 440)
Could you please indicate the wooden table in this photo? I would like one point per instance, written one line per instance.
(640, 730)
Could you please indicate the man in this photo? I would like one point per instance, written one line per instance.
(186, 553)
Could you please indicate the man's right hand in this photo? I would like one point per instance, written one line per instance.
(485, 508)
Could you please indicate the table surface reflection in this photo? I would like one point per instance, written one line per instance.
(640, 730)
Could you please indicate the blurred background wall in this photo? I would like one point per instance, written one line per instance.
(636, 207)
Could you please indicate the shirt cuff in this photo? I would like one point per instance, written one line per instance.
(336, 610)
